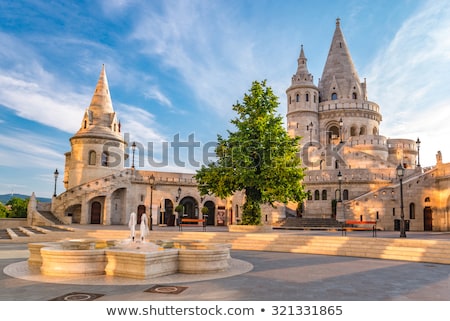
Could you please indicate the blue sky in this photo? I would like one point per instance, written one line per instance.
(175, 67)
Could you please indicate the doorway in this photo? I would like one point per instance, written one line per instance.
(427, 219)
(96, 212)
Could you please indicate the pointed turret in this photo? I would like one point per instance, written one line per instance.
(339, 78)
(98, 148)
(303, 99)
(302, 76)
(100, 115)
(101, 100)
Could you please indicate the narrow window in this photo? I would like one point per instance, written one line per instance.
(85, 124)
(412, 211)
(297, 98)
(316, 195)
(333, 96)
(324, 195)
(354, 96)
(92, 157)
(309, 196)
(105, 159)
(307, 97)
(345, 195)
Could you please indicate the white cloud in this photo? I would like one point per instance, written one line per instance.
(409, 79)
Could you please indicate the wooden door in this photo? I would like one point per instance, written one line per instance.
(96, 213)
(427, 219)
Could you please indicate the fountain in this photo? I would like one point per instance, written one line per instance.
(138, 260)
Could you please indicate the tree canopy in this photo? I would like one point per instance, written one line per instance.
(259, 157)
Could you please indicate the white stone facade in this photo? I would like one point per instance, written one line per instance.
(340, 134)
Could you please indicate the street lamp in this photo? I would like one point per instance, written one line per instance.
(418, 149)
(310, 128)
(341, 125)
(339, 176)
(151, 181)
(133, 147)
(400, 173)
(55, 174)
(178, 195)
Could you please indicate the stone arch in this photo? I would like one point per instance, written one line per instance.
(96, 212)
(190, 207)
(211, 212)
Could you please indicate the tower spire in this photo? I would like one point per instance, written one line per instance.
(101, 100)
(339, 75)
(302, 75)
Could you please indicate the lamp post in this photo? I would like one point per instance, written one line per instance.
(310, 128)
(341, 125)
(151, 181)
(418, 149)
(55, 174)
(339, 176)
(178, 195)
(133, 147)
(400, 173)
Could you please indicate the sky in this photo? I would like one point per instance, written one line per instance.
(176, 67)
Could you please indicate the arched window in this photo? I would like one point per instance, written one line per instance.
(309, 195)
(412, 211)
(345, 195)
(297, 98)
(354, 96)
(316, 195)
(307, 97)
(353, 131)
(375, 131)
(92, 157)
(333, 96)
(362, 130)
(105, 159)
(324, 195)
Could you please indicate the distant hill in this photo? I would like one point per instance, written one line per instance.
(4, 198)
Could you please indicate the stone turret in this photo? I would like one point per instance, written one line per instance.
(98, 146)
(303, 99)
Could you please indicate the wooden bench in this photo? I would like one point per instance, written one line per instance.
(349, 225)
(193, 222)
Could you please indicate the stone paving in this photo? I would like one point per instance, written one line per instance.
(267, 276)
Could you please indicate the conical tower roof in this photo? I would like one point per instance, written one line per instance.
(101, 100)
(339, 74)
(100, 118)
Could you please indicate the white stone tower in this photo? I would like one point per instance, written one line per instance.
(303, 102)
(98, 148)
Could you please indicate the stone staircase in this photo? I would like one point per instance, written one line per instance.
(413, 250)
(52, 218)
(308, 224)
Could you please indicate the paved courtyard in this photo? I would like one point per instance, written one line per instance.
(258, 276)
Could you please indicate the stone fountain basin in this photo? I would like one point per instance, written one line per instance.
(132, 260)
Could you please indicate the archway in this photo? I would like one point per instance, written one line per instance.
(169, 217)
(190, 207)
(75, 212)
(211, 212)
(140, 211)
(96, 212)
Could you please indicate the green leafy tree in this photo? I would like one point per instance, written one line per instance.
(3, 211)
(258, 158)
(18, 207)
